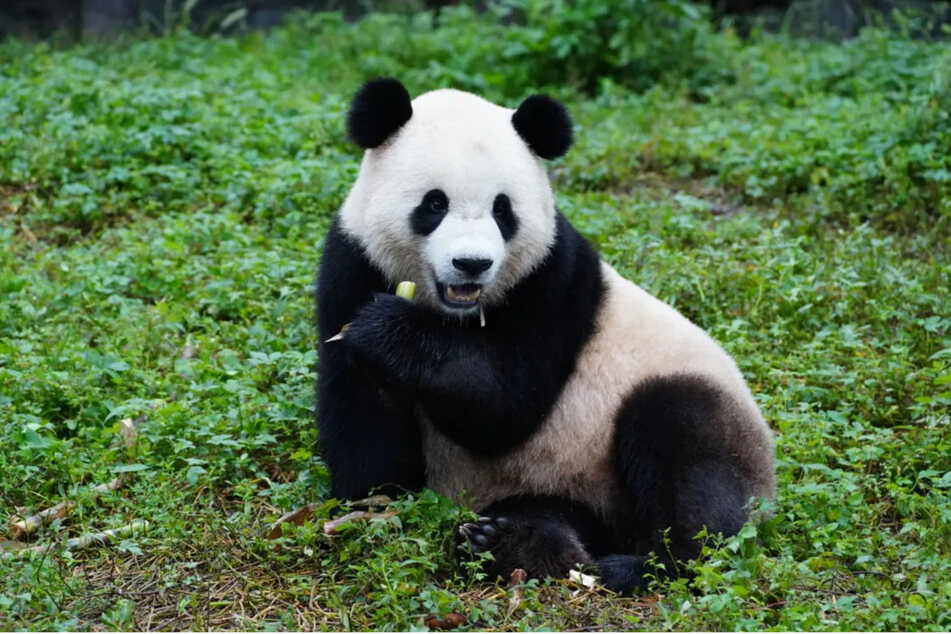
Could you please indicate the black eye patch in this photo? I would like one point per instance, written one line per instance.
(430, 212)
(504, 216)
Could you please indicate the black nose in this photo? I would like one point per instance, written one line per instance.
(472, 266)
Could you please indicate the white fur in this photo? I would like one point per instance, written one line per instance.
(637, 337)
(465, 235)
(467, 147)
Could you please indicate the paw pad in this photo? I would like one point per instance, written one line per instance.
(484, 534)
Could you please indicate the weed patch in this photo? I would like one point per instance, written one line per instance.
(162, 209)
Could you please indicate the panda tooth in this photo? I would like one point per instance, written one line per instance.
(458, 295)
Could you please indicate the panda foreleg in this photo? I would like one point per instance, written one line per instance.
(403, 344)
(369, 438)
(682, 468)
(459, 380)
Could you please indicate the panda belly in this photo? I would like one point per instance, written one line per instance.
(571, 454)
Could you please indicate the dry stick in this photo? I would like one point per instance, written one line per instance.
(29, 524)
(300, 515)
(85, 541)
(331, 527)
(516, 579)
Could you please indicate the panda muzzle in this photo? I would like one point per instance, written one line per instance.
(462, 294)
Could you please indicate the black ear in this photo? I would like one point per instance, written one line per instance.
(545, 126)
(379, 109)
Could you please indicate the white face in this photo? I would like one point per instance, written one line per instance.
(455, 201)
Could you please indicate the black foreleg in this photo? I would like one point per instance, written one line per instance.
(368, 435)
(369, 438)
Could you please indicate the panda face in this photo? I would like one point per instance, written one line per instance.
(455, 199)
(464, 250)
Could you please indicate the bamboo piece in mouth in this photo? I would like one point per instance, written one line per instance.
(406, 290)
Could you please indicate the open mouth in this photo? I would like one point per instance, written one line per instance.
(460, 295)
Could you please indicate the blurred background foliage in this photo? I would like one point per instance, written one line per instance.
(101, 18)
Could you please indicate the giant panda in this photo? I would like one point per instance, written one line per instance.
(586, 422)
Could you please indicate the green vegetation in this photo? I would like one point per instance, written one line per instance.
(162, 206)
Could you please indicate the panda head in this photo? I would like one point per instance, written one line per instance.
(452, 191)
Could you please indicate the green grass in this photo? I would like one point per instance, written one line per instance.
(162, 207)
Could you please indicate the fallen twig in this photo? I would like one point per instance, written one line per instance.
(332, 527)
(300, 515)
(27, 525)
(373, 500)
(517, 578)
(85, 541)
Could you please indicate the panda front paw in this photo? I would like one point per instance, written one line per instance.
(382, 313)
(379, 328)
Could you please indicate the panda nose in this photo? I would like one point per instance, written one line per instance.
(472, 266)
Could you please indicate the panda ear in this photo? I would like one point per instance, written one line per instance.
(379, 109)
(544, 124)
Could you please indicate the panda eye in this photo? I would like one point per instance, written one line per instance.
(501, 207)
(504, 217)
(430, 212)
(437, 201)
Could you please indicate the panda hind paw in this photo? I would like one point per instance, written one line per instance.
(485, 534)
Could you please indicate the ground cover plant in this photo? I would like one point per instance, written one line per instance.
(162, 206)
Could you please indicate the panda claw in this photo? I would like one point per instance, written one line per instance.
(484, 534)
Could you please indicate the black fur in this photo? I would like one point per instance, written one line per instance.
(368, 438)
(380, 108)
(544, 124)
(680, 469)
(487, 389)
(629, 574)
(430, 212)
(545, 536)
(504, 216)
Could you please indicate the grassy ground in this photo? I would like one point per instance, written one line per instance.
(162, 206)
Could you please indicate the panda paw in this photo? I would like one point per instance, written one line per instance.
(375, 330)
(485, 534)
(381, 313)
